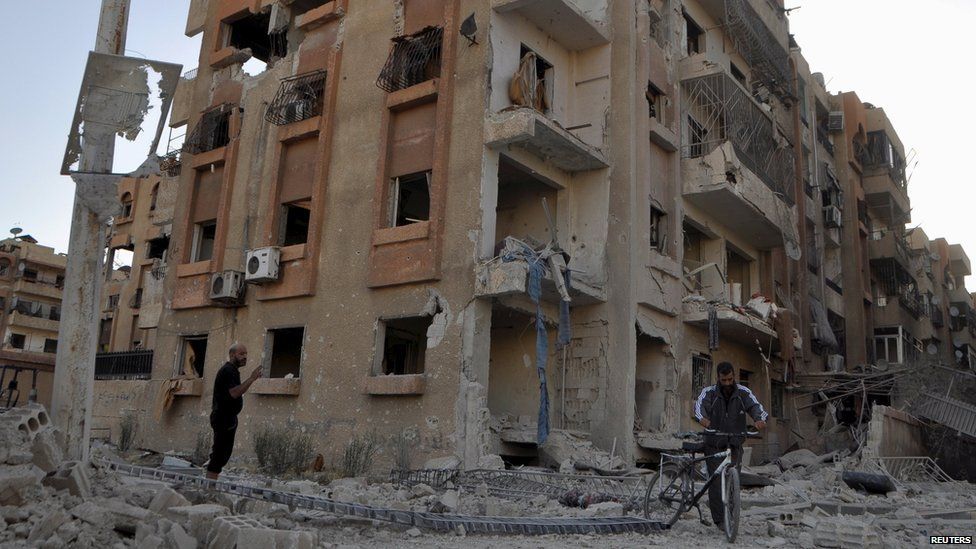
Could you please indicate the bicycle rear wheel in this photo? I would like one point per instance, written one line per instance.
(732, 504)
(664, 499)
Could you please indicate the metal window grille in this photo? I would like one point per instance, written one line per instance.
(413, 59)
(211, 132)
(769, 60)
(701, 368)
(124, 365)
(298, 98)
(718, 110)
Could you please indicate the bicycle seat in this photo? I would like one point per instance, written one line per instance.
(693, 446)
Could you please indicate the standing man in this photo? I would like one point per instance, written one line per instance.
(227, 403)
(723, 407)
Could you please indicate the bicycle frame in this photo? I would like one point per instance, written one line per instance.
(688, 469)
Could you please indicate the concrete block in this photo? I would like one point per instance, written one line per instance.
(46, 527)
(179, 539)
(71, 476)
(450, 500)
(840, 532)
(443, 463)
(28, 420)
(197, 519)
(606, 509)
(125, 518)
(46, 453)
(90, 512)
(491, 461)
(248, 533)
(15, 481)
(798, 458)
(165, 499)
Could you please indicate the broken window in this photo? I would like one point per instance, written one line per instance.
(153, 197)
(18, 341)
(738, 75)
(251, 32)
(203, 241)
(413, 59)
(285, 356)
(701, 373)
(656, 103)
(50, 345)
(409, 199)
(193, 354)
(4, 267)
(156, 248)
(113, 301)
(295, 219)
(658, 229)
(298, 98)
(695, 35)
(404, 345)
(59, 281)
(777, 393)
(530, 86)
(30, 274)
(211, 132)
(126, 206)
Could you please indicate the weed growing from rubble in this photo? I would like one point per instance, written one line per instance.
(402, 446)
(357, 457)
(127, 431)
(201, 451)
(281, 450)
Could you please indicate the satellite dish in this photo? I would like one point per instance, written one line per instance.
(954, 311)
(16, 231)
(932, 349)
(958, 354)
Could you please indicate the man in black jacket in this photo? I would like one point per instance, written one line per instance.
(723, 407)
(227, 403)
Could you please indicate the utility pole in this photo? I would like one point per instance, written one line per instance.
(74, 372)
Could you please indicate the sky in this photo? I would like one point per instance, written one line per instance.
(901, 55)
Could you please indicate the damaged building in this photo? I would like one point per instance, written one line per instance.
(508, 227)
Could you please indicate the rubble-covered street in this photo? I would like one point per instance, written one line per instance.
(50, 502)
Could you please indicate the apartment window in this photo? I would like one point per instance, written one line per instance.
(126, 206)
(295, 221)
(692, 256)
(156, 248)
(285, 356)
(801, 97)
(658, 229)
(656, 103)
(4, 267)
(251, 32)
(299, 98)
(113, 301)
(738, 271)
(888, 346)
(54, 313)
(701, 373)
(18, 341)
(696, 137)
(30, 274)
(738, 75)
(530, 85)
(404, 345)
(211, 132)
(59, 281)
(778, 392)
(136, 301)
(744, 378)
(203, 241)
(153, 197)
(409, 199)
(50, 345)
(193, 355)
(413, 59)
(695, 36)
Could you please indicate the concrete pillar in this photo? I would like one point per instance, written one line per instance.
(472, 414)
(74, 373)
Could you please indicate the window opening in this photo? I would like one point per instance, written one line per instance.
(50, 345)
(30, 274)
(656, 103)
(744, 378)
(738, 75)
(4, 267)
(410, 199)
(126, 206)
(695, 35)
(299, 7)
(156, 248)
(413, 59)
(203, 243)
(285, 358)
(211, 132)
(295, 223)
(696, 137)
(18, 341)
(113, 301)
(251, 32)
(701, 373)
(193, 355)
(298, 98)
(738, 270)
(136, 301)
(658, 226)
(104, 335)
(530, 84)
(153, 197)
(404, 345)
(54, 313)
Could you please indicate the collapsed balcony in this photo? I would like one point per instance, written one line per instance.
(743, 325)
(511, 273)
(541, 136)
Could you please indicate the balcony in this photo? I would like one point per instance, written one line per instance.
(35, 288)
(33, 322)
(498, 278)
(124, 365)
(959, 261)
(885, 184)
(891, 246)
(733, 326)
(529, 129)
(573, 26)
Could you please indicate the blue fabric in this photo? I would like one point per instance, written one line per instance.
(536, 272)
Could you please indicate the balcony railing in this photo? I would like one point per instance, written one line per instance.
(880, 154)
(769, 60)
(825, 141)
(124, 365)
(717, 110)
(935, 313)
(911, 301)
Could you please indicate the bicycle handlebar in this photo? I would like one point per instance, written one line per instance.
(698, 434)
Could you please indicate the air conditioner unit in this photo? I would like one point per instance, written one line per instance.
(835, 121)
(832, 216)
(227, 286)
(881, 301)
(262, 264)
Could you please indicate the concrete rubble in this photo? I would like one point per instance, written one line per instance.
(48, 502)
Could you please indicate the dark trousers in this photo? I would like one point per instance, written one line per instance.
(715, 490)
(223, 445)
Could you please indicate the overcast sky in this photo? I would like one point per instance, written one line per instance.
(901, 55)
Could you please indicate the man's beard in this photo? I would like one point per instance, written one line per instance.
(727, 389)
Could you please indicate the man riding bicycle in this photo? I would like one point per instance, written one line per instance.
(723, 407)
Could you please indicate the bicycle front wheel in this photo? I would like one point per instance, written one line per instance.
(664, 499)
(732, 504)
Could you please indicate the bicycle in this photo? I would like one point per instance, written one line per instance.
(671, 492)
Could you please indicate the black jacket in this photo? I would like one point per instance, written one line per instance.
(728, 414)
